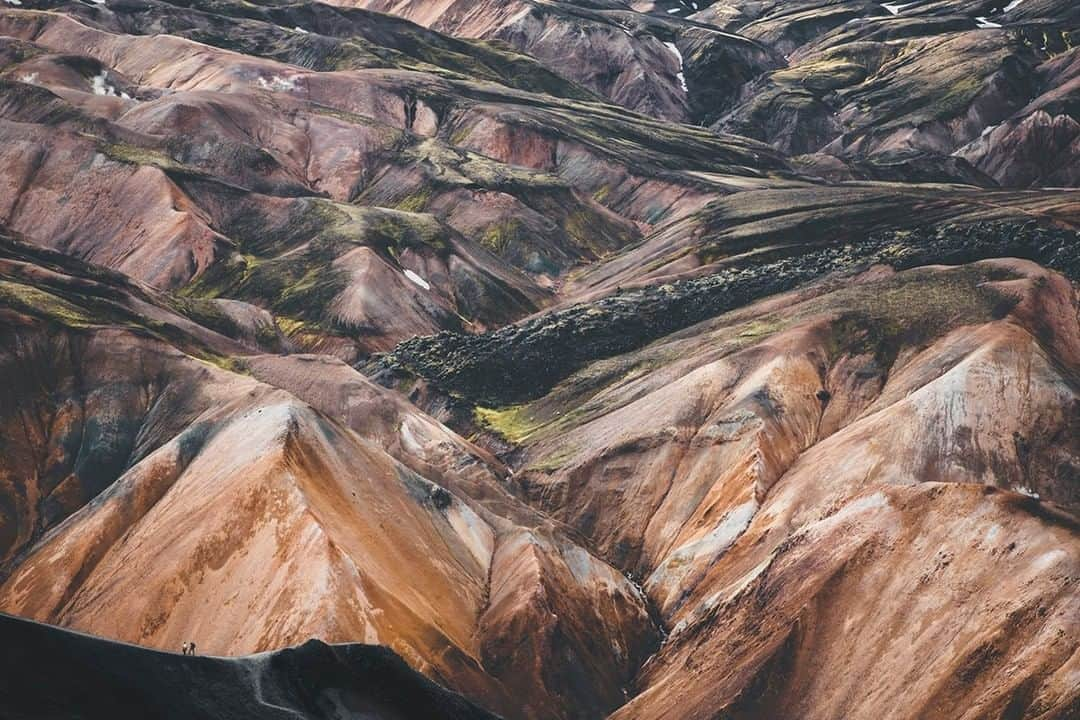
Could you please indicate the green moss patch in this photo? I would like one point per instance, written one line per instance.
(39, 303)
(513, 423)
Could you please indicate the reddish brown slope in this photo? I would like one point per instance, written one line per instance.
(110, 133)
(198, 503)
(656, 65)
(796, 486)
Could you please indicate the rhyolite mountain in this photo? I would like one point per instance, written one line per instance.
(540, 359)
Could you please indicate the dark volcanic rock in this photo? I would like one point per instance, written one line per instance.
(523, 361)
(63, 674)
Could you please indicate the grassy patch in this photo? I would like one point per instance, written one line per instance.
(512, 423)
(911, 310)
(416, 202)
(498, 237)
(32, 301)
(554, 461)
(134, 155)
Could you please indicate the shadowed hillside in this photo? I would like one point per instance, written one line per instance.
(93, 678)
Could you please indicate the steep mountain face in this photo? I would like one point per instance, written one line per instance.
(155, 469)
(860, 85)
(585, 359)
(656, 65)
(767, 472)
(763, 472)
(876, 84)
(255, 162)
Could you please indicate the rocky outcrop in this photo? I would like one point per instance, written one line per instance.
(522, 361)
(908, 84)
(1037, 146)
(1038, 150)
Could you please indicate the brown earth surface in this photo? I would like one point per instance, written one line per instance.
(598, 359)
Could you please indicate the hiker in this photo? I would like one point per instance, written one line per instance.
(188, 648)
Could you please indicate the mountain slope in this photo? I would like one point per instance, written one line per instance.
(251, 520)
(598, 358)
(796, 484)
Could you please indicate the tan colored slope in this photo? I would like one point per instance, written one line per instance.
(173, 500)
(412, 437)
(710, 463)
(919, 601)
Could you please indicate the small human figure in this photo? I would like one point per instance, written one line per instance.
(188, 648)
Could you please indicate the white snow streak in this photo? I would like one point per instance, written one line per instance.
(678, 56)
(895, 8)
(99, 84)
(277, 83)
(417, 279)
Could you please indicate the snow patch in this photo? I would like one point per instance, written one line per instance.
(1026, 491)
(1013, 5)
(688, 7)
(13, 2)
(300, 30)
(417, 279)
(98, 2)
(100, 85)
(29, 78)
(277, 83)
(984, 23)
(895, 8)
(678, 56)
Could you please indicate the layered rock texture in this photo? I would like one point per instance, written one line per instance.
(540, 359)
